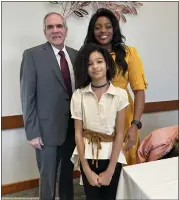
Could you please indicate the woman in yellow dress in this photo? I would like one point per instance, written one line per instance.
(104, 30)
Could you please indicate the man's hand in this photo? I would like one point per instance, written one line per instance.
(130, 138)
(37, 143)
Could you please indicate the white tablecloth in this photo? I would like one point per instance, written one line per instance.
(151, 180)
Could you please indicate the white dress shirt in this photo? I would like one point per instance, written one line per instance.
(72, 76)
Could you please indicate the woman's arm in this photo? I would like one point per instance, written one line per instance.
(139, 102)
(131, 135)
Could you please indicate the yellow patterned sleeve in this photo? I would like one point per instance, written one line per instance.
(135, 71)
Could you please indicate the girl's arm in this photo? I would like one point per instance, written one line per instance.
(91, 176)
(118, 142)
(106, 176)
(80, 144)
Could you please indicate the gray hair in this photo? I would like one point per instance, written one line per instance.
(52, 13)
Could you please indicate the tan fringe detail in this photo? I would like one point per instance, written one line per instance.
(96, 138)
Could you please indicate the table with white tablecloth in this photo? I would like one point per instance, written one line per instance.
(151, 180)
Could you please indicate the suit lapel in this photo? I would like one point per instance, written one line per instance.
(52, 61)
(71, 55)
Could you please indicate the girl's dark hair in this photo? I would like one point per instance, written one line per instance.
(82, 78)
(118, 45)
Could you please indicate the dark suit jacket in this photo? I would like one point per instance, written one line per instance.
(44, 97)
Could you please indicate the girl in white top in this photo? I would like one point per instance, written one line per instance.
(98, 109)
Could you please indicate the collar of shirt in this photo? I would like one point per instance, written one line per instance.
(56, 51)
(111, 90)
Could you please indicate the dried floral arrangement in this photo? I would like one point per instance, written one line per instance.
(79, 8)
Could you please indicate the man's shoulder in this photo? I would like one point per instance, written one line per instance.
(36, 48)
(71, 49)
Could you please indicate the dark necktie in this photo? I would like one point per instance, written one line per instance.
(65, 72)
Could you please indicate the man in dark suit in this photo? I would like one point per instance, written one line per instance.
(47, 82)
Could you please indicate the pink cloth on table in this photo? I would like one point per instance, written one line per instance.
(158, 143)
